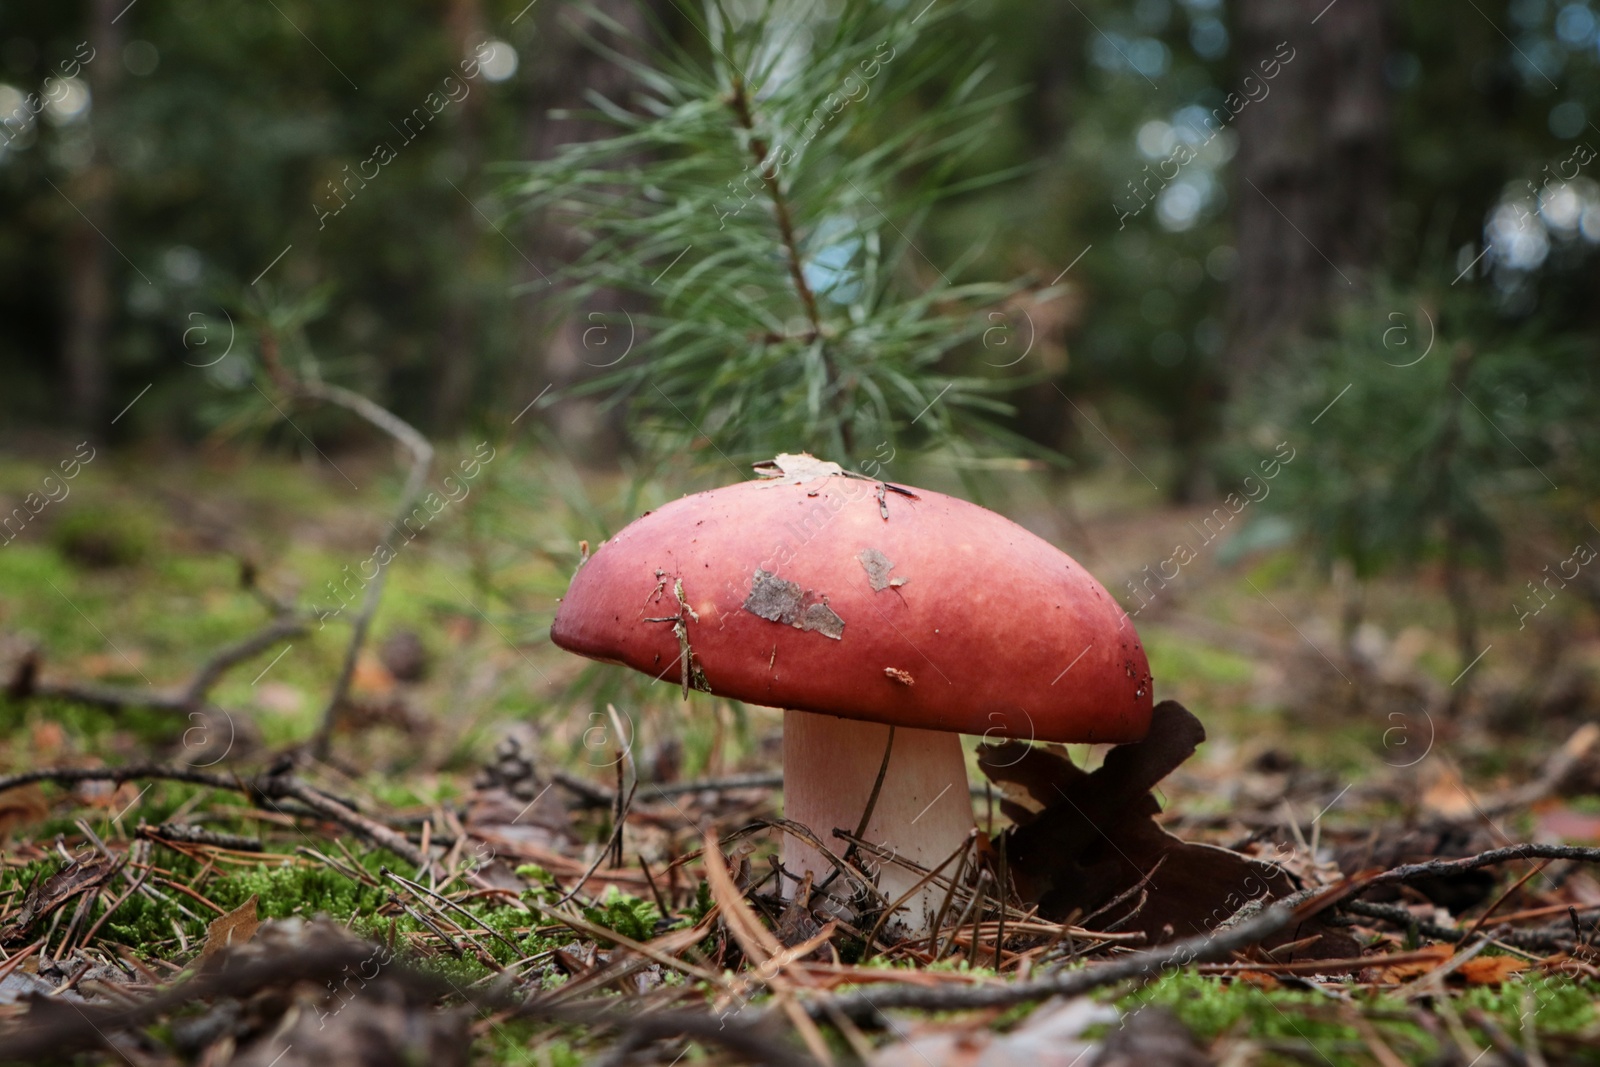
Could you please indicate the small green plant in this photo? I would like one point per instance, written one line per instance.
(1420, 431)
(629, 916)
(759, 212)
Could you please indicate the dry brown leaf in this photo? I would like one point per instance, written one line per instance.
(1259, 979)
(1088, 843)
(234, 928)
(48, 739)
(1419, 962)
(1490, 970)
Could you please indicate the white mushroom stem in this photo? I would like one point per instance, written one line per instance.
(923, 812)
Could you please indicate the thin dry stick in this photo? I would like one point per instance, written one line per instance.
(968, 847)
(977, 914)
(110, 911)
(1501, 899)
(803, 832)
(1125, 895)
(1536, 940)
(883, 917)
(188, 698)
(421, 459)
(961, 920)
(417, 887)
(277, 786)
(877, 787)
(866, 812)
(73, 775)
(611, 845)
(887, 855)
(455, 949)
(211, 672)
(1411, 872)
(864, 1006)
(1000, 925)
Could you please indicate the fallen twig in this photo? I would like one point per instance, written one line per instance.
(864, 1007)
(125, 773)
(275, 786)
(268, 789)
(421, 459)
(184, 834)
(1534, 940)
(1411, 872)
(56, 1027)
(187, 698)
(598, 796)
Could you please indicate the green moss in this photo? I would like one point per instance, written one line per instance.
(1560, 1005)
(1211, 1007)
(287, 889)
(1172, 656)
(522, 1044)
(629, 916)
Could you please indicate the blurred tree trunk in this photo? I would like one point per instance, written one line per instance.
(458, 355)
(1312, 168)
(565, 349)
(88, 296)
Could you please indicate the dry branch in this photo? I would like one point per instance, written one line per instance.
(1412, 872)
(421, 459)
(864, 1007)
(1533, 940)
(190, 697)
(125, 773)
(267, 788)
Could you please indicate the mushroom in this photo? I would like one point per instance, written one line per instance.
(858, 606)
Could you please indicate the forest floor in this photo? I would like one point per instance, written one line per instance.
(511, 855)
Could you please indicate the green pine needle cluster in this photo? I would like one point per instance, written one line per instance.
(759, 212)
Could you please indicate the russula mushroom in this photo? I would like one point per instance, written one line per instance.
(856, 606)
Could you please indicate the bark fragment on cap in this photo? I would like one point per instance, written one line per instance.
(779, 600)
(877, 566)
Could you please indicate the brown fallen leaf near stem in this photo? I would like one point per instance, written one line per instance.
(371, 677)
(1088, 839)
(234, 928)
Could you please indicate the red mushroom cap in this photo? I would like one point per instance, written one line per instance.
(799, 593)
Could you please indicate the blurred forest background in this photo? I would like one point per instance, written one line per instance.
(1125, 257)
(335, 336)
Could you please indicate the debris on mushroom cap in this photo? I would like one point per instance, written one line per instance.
(793, 469)
(794, 591)
(877, 566)
(777, 600)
